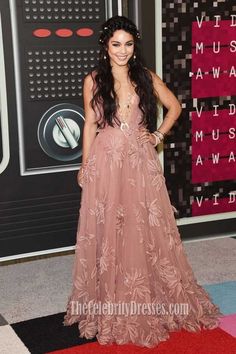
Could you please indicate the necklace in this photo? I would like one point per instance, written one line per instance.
(126, 107)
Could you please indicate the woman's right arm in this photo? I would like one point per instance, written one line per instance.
(90, 124)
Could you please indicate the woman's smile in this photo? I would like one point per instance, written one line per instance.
(122, 57)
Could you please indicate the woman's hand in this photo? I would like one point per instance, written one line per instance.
(145, 136)
(80, 175)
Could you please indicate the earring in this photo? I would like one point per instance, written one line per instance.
(104, 57)
(134, 57)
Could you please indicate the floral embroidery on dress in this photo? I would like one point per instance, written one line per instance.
(86, 239)
(156, 333)
(152, 251)
(132, 182)
(128, 328)
(81, 285)
(171, 234)
(140, 223)
(100, 207)
(83, 262)
(94, 272)
(105, 324)
(155, 173)
(107, 260)
(170, 276)
(88, 328)
(154, 212)
(90, 170)
(120, 221)
(135, 282)
(115, 151)
(108, 296)
(134, 156)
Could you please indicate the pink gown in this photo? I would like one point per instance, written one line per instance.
(129, 253)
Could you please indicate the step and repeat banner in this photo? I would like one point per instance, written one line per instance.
(199, 65)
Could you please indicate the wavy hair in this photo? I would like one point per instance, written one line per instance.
(105, 94)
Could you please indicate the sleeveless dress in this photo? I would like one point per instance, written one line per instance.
(132, 282)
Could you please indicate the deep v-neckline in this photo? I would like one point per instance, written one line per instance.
(126, 120)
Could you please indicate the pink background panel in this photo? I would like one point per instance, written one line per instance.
(209, 172)
(208, 33)
(206, 60)
(211, 87)
(207, 121)
(223, 146)
(207, 207)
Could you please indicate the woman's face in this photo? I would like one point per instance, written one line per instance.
(120, 48)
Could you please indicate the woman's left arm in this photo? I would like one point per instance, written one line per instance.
(168, 99)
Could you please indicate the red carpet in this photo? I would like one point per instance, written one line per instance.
(205, 342)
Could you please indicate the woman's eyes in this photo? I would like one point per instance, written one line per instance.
(117, 45)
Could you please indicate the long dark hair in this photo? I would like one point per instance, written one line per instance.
(105, 94)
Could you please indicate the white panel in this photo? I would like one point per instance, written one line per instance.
(3, 108)
(119, 3)
(158, 54)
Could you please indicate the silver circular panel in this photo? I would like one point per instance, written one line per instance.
(58, 136)
(60, 132)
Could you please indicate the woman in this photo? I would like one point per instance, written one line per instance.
(129, 253)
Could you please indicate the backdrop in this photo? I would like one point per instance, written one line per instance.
(46, 48)
(199, 64)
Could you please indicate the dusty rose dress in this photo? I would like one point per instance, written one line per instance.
(128, 250)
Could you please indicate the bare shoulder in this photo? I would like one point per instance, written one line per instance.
(89, 82)
(88, 94)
